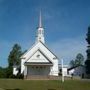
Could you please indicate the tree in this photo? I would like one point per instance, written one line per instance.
(14, 56)
(72, 63)
(14, 59)
(87, 62)
(79, 60)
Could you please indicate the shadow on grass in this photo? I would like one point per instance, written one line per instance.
(51, 89)
(14, 89)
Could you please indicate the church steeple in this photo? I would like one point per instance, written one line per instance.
(40, 31)
(40, 20)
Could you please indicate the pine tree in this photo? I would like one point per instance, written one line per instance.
(13, 59)
(14, 56)
(87, 62)
(79, 60)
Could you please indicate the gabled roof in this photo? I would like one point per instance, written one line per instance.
(42, 54)
(28, 51)
(34, 46)
(49, 49)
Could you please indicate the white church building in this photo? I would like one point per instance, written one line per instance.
(39, 60)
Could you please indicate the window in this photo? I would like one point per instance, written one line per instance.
(39, 38)
(38, 56)
(40, 32)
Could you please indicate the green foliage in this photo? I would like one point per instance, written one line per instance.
(14, 56)
(13, 59)
(72, 63)
(2, 72)
(88, 36)
(79, 60)
(6, 72)
(87, 62)
(19, 76)
(9, 72)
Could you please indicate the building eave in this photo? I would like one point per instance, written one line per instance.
(22, 57)
(37, 64)
(49, 50)
(42, 54)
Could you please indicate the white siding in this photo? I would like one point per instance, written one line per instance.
(29, 56)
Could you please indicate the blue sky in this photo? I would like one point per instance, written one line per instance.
(65, 23)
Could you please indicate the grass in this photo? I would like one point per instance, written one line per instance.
(7, 84)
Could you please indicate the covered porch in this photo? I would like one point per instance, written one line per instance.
(37, 69)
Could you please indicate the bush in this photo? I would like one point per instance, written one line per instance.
(18, 76)
(2, 73)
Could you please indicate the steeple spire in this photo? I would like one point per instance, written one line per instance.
(40, 20)
(40, 32)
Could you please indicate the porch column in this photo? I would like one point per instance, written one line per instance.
(25, 72)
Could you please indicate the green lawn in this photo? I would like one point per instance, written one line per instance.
(6, 84)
